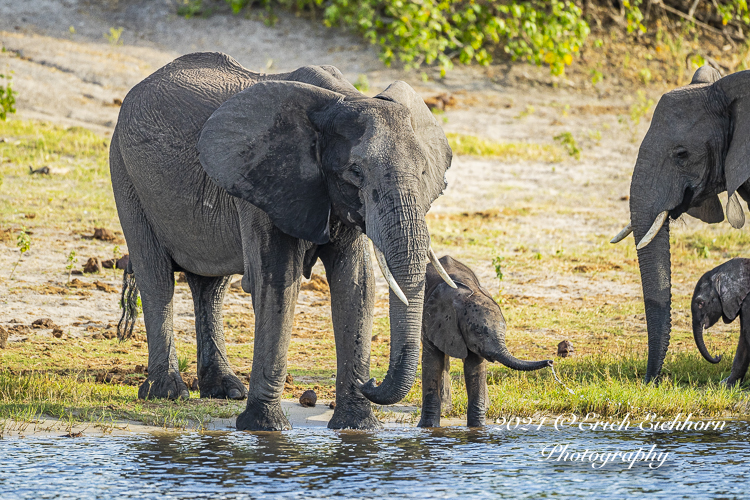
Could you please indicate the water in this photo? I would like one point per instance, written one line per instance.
(493, 462)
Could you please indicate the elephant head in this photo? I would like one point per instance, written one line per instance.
(698, 145)
(307, 148)
(719, 294)
(467, 319)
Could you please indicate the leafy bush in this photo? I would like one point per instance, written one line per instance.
(7, 98)
(439, 31)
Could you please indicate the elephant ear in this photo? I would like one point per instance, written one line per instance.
(261, 146)
(736, 88)
(431, 137)
(710, 211)
(440, 322)
(705, 74)
(732, 285)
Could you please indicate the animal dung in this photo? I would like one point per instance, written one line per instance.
(565, 349)
(3, 337)
(43, 323)
(93, 265)
(104, 234)
(57, 333)
(308, 398)
(316, 284)
(332, 405)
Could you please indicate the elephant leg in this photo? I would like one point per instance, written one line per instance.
(475, 374)
(742, 356)
(273, 276)
(433, 373)
(215, 377)
(350, 278)
(446, 399)
(154, 275)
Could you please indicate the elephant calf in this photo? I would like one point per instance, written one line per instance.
(465, 323)
(722, 293)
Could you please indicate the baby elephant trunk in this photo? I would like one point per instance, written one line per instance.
(490, 335)
(506, 358)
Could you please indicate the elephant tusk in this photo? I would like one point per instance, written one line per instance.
(439, 268)
(622, 234)
(380, 257)
(735, 215)
(655, 227)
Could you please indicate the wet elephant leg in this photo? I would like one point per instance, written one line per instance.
(215, 377)
(446, 399)
(742, 356)
(350, 278)
(433, 366)
(273, 262)
(475, 374)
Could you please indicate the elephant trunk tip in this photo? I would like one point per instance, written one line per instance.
(379, 395)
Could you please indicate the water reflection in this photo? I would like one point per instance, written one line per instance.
(395, 463)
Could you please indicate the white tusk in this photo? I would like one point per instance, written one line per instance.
(735, 215)
(439, 268)
(387, 274)
(622, 234)
(655, 227)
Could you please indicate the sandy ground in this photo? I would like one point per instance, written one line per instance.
(66, 71)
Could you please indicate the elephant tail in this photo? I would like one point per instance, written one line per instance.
(128, 303)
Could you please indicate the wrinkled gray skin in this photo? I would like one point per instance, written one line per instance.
(465, 323)
(218, 170)
(698, 145)
(723, 293)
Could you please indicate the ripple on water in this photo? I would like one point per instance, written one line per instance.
(394, 463)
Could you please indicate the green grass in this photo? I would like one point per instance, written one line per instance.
(78, 192)
(463, 144)
(74, 398)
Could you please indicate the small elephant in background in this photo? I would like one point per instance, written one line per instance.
(723, 293)
(465, 323)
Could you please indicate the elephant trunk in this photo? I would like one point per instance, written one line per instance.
(491, 327)
(655, 267)
(401, 234)
(698, 336)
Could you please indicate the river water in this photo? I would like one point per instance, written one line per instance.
(493, 462)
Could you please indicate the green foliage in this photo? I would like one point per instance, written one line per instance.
(567, 140)
(190, 8)
(498, 263)
(113, 37)
(362, 84)
(7, 97)
(23, 242)
(72, 259)
(183, 362)
(441, 31)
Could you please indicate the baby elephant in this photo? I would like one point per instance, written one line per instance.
(466, 323)
(722, 293)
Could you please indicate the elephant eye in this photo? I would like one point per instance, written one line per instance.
(680, 153)
(354, 175)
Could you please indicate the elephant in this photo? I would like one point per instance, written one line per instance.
(465, 323)
(218, 170)
(697, 146)
(722, 292)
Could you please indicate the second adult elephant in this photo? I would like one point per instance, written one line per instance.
(698, 145)
(218, 170)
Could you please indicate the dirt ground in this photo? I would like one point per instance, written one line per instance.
(549, 221)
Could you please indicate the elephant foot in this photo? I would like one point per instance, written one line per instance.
(348, 416)
(475, 422)
(222, 386)
(429, 421)
(731, 381)
(166, 385)
(259, 416)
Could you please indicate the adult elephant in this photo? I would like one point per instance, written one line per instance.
(698, 145)
(218, 170)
